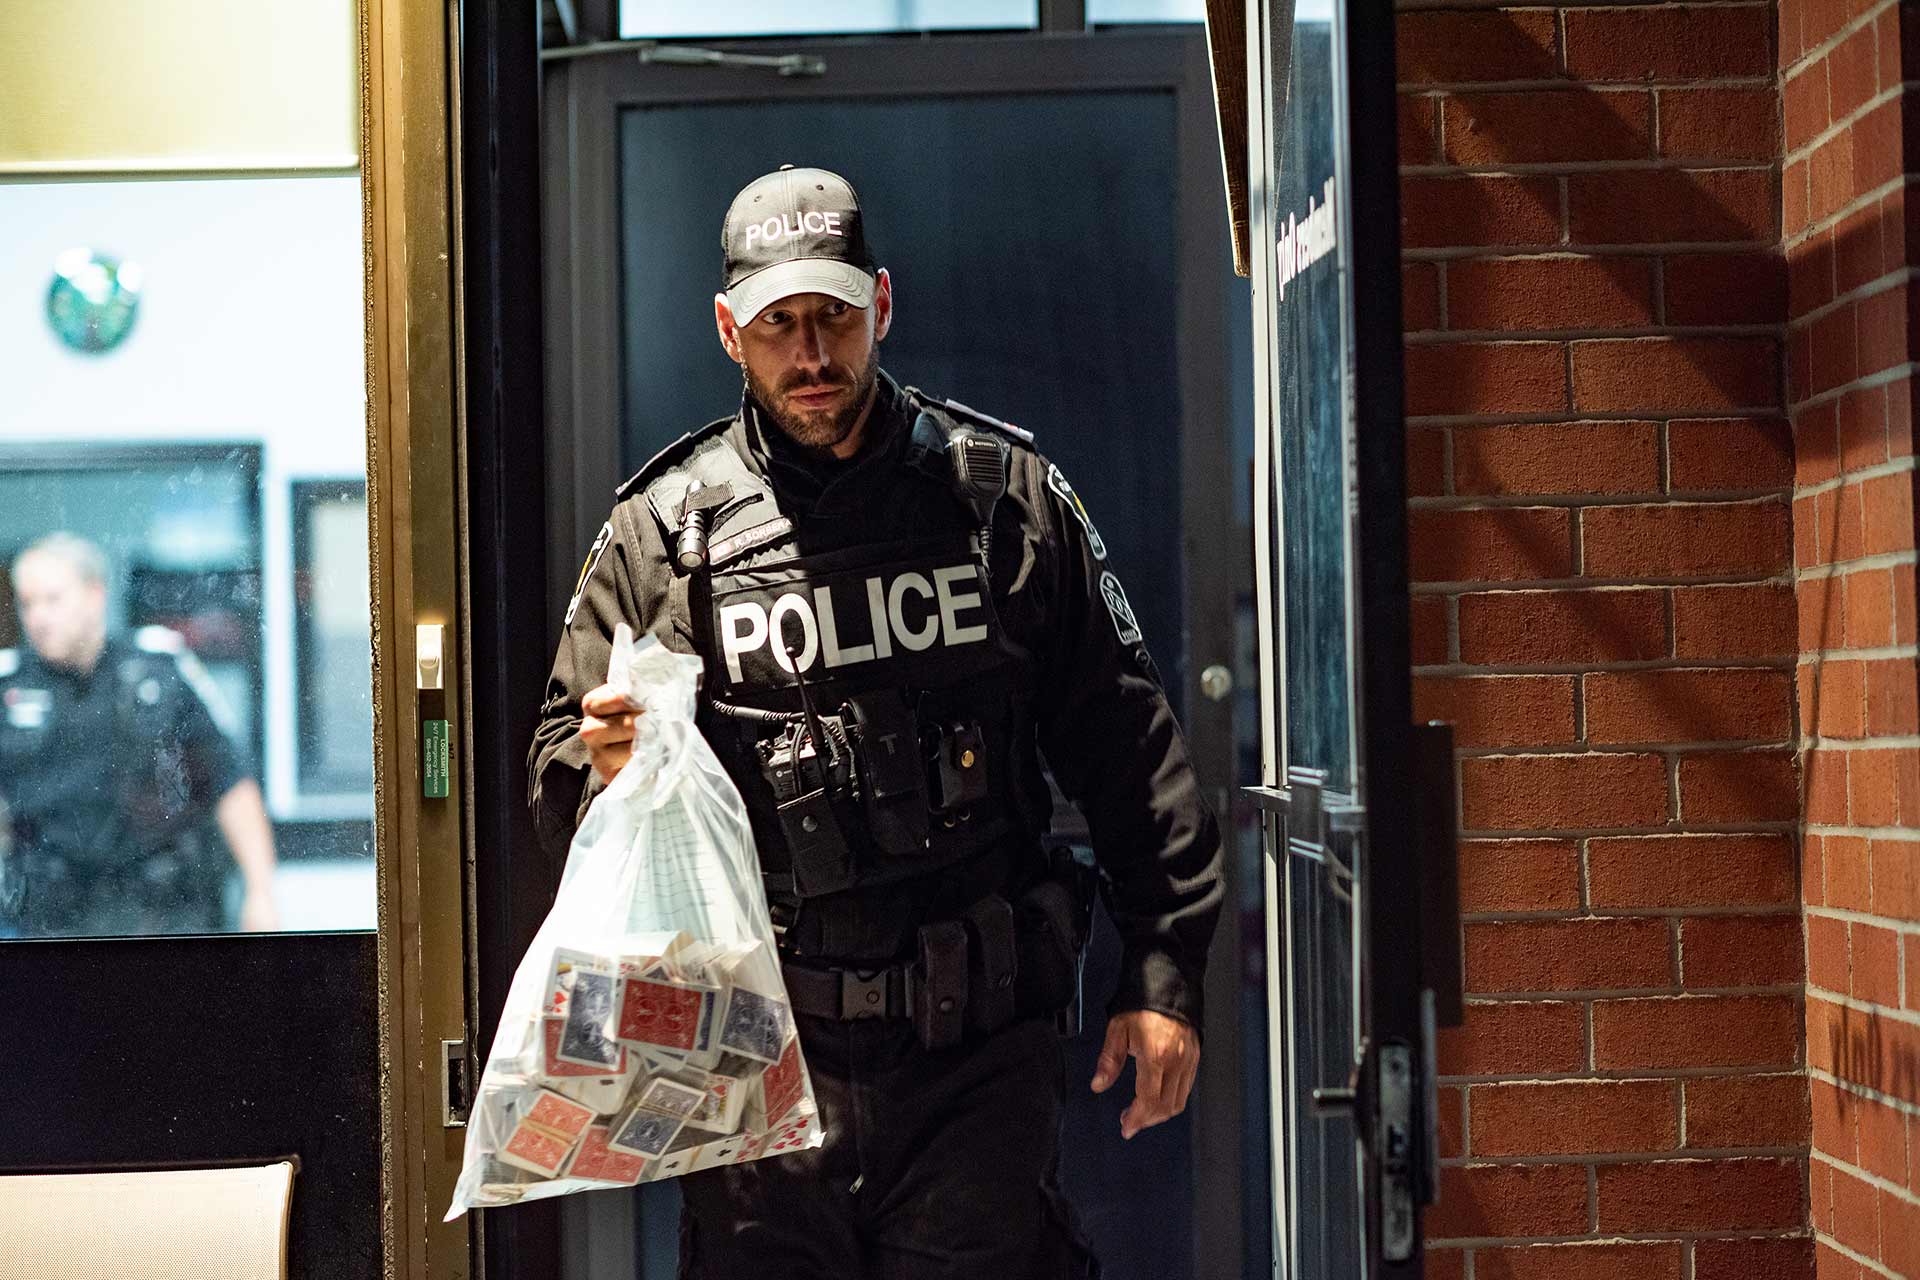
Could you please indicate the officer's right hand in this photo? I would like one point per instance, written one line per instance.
(607, 729)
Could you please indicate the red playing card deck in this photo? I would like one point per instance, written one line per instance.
(536, 1150)
(598, 1162)
(783, 1083)
(665, 1013)
(546, 1133)
(561, 1115)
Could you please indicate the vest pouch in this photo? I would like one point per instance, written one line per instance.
(822, 860)
(893, 786)
(958, 765)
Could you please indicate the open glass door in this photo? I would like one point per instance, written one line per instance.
(1350, 1028)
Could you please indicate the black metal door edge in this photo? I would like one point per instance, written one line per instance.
(1391, 890)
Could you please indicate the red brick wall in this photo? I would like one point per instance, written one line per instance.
(1850, 246)
(1601, 471)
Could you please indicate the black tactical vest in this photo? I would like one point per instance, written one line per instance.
(866, 700)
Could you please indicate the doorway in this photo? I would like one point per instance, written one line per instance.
(1050, 208)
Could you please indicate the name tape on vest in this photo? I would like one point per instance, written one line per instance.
(812, 222)
(846, 620)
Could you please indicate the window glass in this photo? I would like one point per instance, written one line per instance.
(185, 683)
(643, 19)
(1114, 11)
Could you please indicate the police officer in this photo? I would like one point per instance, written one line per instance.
(110, 765)
(902, 607)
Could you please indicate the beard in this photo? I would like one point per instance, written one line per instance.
(816, 428)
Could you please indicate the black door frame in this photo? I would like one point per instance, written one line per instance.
(581, 249)
(510, 633)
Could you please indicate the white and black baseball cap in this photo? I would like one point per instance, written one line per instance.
(795, 231)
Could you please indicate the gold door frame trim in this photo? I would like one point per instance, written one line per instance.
(416, 509)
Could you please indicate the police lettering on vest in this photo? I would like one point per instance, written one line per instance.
(812, 222)
(845, 620)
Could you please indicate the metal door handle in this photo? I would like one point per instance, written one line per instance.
(1216, 682)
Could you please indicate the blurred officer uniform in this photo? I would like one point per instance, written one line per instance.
(900, 604)
(118, 782)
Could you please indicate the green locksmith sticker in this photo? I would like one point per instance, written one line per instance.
(435, 750)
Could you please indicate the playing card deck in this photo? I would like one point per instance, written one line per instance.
(545, 1133)
(643, 1132)
(756, 1026)
(648, 1064)
(669, 1015)
(598, 1162)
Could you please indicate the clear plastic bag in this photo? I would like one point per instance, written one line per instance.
(647, 1032)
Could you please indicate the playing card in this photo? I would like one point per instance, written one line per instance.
(561, 1115)
(553, 1065)
(724, 1151)
(606, 1094)
(536, 1150)
(668, 1014)
(782, 1084)
(669, 1097)
(722, 1104)
(689, 1138)
(793, 1137)
(658, 952)
(642, 1132)
(596, 1161)
(559, 994)
(669, 1166)
(756, 1026)
(583, 1036)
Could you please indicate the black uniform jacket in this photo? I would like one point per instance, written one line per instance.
(1101, 717)
(104, 766)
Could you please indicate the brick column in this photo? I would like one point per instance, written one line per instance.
(1851, 245)
(1600, 470)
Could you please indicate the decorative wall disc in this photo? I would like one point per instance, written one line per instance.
(93, 299)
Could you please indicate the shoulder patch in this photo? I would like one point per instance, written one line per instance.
(1057, 481)
(673, 453)
(973, 416)
(587, 567)
(1119, 608)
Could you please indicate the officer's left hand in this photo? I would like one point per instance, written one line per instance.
(1166, 1054)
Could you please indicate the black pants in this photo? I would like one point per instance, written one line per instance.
(936, 1164)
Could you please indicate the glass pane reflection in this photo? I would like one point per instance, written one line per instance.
(657, 19)
(185, 681)
(1310, 414)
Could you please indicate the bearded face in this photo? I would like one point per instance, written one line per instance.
(817, 409)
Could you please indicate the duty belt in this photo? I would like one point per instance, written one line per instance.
(850, 995)
(962, 979)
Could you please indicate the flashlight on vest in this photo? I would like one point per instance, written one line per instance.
(696, 513)
(980, 464)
